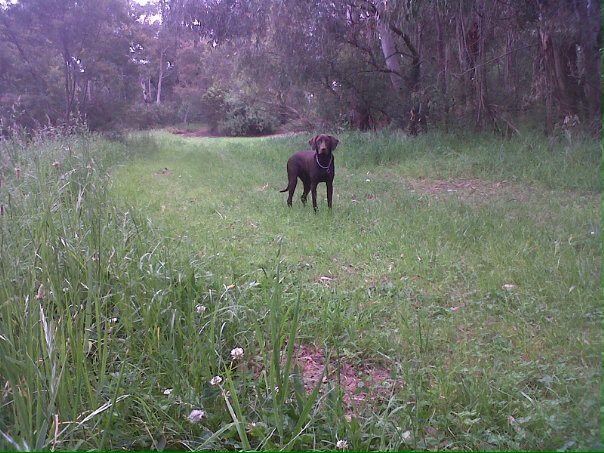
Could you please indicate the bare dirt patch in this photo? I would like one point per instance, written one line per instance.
(359, 383)
(163, 172)
(477, 191)
(203, 132)
(465, 188)
(471, 186)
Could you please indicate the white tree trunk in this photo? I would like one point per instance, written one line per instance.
(391, 56)
(160, 77)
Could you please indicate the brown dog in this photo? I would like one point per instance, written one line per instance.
(312, 167)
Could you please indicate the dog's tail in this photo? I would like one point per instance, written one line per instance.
(286, 189)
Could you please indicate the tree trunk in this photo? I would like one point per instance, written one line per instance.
(471, 41)
(556, 78)
(466, 66)
(69, 77)
(146, 91)
(510, 75)
(443, 59)
(160, 76)
(485, 117)
(390, 56)
(566, 95)
(590, 15)
(392, 60)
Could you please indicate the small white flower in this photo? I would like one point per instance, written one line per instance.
(237, 353)
(200, 309)
(196, 416)
(406, 435)
(216, 380)
(341, 445)
(168, 391)
(508, 286)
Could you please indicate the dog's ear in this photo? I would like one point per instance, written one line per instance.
(313, 143)
(333, 142)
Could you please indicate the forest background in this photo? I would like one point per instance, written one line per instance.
(252, 67)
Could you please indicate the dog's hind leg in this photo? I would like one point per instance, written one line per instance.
(306, 183)
(291, 187)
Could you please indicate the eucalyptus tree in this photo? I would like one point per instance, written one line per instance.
(69, 49)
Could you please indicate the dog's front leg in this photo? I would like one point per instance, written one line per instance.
(329, 193)
(313, 192)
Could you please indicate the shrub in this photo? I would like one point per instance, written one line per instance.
(248, 119)
(214, 106)
(146, 116)
(229, 113)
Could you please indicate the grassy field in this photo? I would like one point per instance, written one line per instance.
(451, 300)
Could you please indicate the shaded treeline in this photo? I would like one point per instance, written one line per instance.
(253, 66)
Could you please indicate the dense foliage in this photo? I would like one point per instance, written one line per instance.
(364, 64)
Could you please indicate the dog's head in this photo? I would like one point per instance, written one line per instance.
(323, 144)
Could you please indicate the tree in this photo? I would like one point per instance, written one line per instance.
(356, 63)
(570, 38)
(67, 35)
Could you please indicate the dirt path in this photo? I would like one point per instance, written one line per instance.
(205, 132)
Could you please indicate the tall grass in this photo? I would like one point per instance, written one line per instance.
(64, 249)
(554, 163)
(127, 280)
(101, 315)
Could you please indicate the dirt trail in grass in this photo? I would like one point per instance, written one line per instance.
(475, 186)
(202, 132)
(206, 132)
(478, 191)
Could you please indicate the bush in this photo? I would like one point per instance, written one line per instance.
(190, 109)
(228, 113)
(214, 106)
(146, 116)
(244, 119)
